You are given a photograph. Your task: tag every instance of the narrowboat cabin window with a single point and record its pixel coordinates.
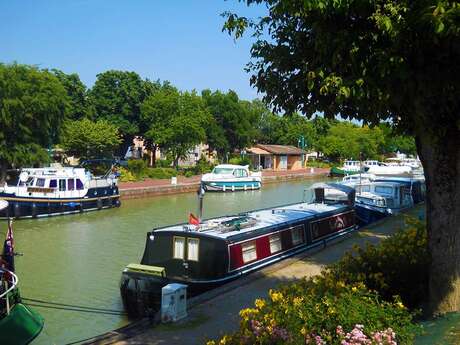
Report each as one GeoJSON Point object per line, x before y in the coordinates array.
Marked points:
{"type": "Point", "coordinates": [40, 182]}
{"type": "Point", "coordinates": [297, 235]}
{"type": "Point", "coordinates": [249, 251]}
{"type": "Point", "coordinates": [193, 245]}
{"type": "Point", "coordinates": [53, 183]}
{"type": "Point", "coordinates": [178, 247]}
{"type": "Point", "coordinates": [384, 190]}
{"type": "Point", "coordinates": [62, 185]}
{"type": "Point", "coordinates": [275, 243]}
{"type": "Point", "coordinates": [70, 184]}
{"type": "Point", "coordinates": [79, 184]}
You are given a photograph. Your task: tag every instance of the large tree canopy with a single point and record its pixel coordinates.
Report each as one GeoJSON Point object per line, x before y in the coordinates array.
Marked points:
{"type": "Point", "coordinates": [175, 121]}
{"type": "Point", "coordinates": [33, 106]}
{"type": "Point", "coordinates": [376, 60]}
{"type": "Point", "coordinates": [88, 140]}
{"type": "Point", "coordinates": [117, 97]}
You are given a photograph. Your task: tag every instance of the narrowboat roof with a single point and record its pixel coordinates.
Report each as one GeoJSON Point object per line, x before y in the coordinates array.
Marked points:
{"type": "Point", "coordinates": [225, 228]}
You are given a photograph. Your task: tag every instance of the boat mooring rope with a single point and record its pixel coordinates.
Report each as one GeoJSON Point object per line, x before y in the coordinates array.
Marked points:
{"type": "Point", "coordinates": [71, 307]}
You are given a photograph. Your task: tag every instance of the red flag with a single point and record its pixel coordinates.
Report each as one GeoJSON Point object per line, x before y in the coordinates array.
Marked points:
{"type": "Point", "coordinates": [193, 220]}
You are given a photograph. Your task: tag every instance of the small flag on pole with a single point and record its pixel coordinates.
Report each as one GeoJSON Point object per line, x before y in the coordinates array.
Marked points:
{"type": "Point", "coordinates": [8, 247]}
{"type": "Point", "coordinates": [193, 219]}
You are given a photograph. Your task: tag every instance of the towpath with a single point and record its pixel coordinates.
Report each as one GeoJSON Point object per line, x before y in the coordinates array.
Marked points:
{"type": "Point", "coordinates": [216, 312]}
{"type": "Point", "coordinates": [151, 187]}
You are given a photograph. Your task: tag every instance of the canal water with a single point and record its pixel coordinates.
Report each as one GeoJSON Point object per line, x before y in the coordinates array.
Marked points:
{"type": "Point", "coordinates": [78, 259]}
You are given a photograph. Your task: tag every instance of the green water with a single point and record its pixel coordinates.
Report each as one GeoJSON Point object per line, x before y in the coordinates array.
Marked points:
{"type": "Point", "coordinates": [78, 259]}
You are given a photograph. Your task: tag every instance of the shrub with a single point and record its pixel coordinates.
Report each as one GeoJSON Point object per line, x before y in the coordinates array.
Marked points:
{"type": "Point", "coordinates": [359, 295]}
{"type": "Point", "coordinates": [163, 163]}
{"type": "Point", "coordinates": [137, 167]}
{"type": "Point", "coordinates": [161, 173]}
{"type": "Point", "coordinates": [318, 311]}
{"type": "Point", "coordinates": [203, 166]}
{"type": "Point", "coordinates": [126, 175]}
{"type": "Point", "coordinates": [317, 164]}
{"type": "Point", "coordinates": [240, 160]}
{"type": "Point", "coordinates": [397, 266]}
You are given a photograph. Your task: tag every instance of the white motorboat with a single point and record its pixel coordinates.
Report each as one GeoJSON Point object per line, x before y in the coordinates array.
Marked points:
{"type": "Point", "coordinates": [230, 178]}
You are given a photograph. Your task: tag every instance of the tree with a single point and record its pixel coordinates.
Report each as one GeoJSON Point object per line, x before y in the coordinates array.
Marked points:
{"type": "Point", "coordinates": [377, 60]}
{"type": "Point", "coordinates": [33, 105]}
{"type": "Point", "coordinates": [88, 140]}
{"type": "Point", "coordinates": [117, 97]}
{"type": "Point", "coordinates": [176, 120]}
{"type": "Point", "coordinates": [79, 104]}
{"type": "Point", "coordinates": [235, 117]}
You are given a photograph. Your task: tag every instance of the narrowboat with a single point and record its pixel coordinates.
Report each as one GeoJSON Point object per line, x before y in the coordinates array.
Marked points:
{"type": "Point", "coordinates": [377, 200]}
{"type": "Point", "coordinates": [51, 191]}
{"type": "Point", "coordinates": [230, 178]}
{"type": "Point", "coordinates": [19, 324]}
{"type": "Point", "coordinates": [219, 250]}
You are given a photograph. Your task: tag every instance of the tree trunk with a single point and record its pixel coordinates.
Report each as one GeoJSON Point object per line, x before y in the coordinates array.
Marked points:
{"type": "Point", "coordinates": [154, 155]}
{"type": "Point", "coordinates": [441, 162]}
{"type": "Point", "coordinates": [3, 170]}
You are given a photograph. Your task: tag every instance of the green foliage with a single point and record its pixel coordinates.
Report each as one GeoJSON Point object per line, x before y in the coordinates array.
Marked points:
{"type": "Point", "coordinates": [161, 173]}
{"type": "Point", "coordinates": [126, 175]}
{"type": "Point", "coordinates": [233, 123]}
{"type": "Point", "coordinates": [362, 288]}
{"type": "Point", "coordinates": [33, 105]}
{"type": "Point", "coordinates": [138, 167]}
{"type": "Point", "coordinates": [164, 163]}
{"type": "Point", "coordinates": [79, 105]}
{"type": "Point", "coordinates": [176, 120]}
{"type": "Point", "coordinates": [239, 160]}
{"type": "Point", "coordinates": [397, 266]}
{"type": "Point", "coordinates": [87, 139]}
{"type": "Point", "coordinates": [202, 166]}
{"type": "Point", "coordinates": [117, 97]}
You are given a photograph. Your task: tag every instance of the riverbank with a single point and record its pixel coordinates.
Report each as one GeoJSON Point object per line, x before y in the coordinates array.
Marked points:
{"type": "Point", "coordinates": [216, 312]}
{"type": "Point", "coordinates": [154, 187]}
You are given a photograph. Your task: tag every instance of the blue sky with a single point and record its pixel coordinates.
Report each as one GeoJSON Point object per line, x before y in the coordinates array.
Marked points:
{"type": "Point", "coordinates": [176, 40]}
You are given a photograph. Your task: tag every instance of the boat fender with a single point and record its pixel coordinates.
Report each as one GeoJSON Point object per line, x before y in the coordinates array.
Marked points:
{"type": "Point", "coordinates": [17, 210]}
{"type": "Point", "coordinates": [223, 188]}
{"type": "Point", "coordinates": [99, 203]}
{"type": "Point", "coordinates": [233, 188]}
{"type": "Point", "coordinates": [34, 210]}
{"type": "Point", "coordinates": [81, 207]}
{"type": "Point", "coordinates": [117, 203]}
{"type": "Point", "coordinates": [245, 188]}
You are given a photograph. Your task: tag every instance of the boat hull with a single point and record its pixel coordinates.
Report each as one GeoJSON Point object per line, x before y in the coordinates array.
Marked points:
{"type": "Point", "coordinates": [34, 207]}
{"type": "Point", "coordinates": [366, 214]}
{"type": "Point", "coordinates": [231, 186]}
{"type": "Point", "coordinates": [21, 326]}
{"type": "Point", "coordinates": [337, 172]}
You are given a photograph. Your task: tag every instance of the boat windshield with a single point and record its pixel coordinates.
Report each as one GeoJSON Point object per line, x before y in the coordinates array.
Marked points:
{"type": "Point", "coordinates": [218, 170]}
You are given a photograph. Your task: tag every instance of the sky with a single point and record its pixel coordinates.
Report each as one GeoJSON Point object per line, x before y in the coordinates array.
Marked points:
{"type": "Point", "coordinates": [176, 40]}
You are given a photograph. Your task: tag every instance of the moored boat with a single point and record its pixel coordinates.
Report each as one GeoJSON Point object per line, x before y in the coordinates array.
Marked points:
{"type": "Point", "coordinates": [376, 200]}
{"type": "Point", "coordinates": [349, 168]}
{"type": "Point", "coordinates": [19, 324]}
{"type": "Point", "coordinates": [383, 169]}
{"type": "Point", "coordinates": [230, 177]}
{"type": "Point", "coordinates": [219, 250]}
{"type": "Point", "coordinates": [55, 191]}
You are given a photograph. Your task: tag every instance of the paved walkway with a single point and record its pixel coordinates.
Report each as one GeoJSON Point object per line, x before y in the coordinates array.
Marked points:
{"type": "Point", "coordinates": [217, 314]}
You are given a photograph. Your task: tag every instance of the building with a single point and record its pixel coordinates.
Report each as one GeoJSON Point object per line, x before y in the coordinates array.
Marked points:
{"type": "Point", "coordinates": [277, 157]}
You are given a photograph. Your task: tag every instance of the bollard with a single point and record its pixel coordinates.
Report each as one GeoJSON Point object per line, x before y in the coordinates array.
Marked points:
{"type": "Point", "coordinates": [174, 180]}
{"type": "Point", "coordinates": [312, 170]}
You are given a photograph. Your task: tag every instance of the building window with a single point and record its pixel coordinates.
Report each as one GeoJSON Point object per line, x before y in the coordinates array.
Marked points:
{"type": "Point", "coordinates": [40, 182]}
{"type": "Point", "coordinates": [178, 247]}
{"type": "Point", "coordinates": [193, 245]}
{"type": "Point", "coordinates": [53, 183]}
{"type": "Point", "coordinates": [62, 185]}
{"type": "Point", "coordinates": [249, 251]}
{"type": "Point", "coordinates": [275, 243]}
{"type": "Point", "coordinates": [79, 184]}
{"type": "Point", "coordinates": [297, 235]}
{"type": "Point", "coordinates": [70, 184]}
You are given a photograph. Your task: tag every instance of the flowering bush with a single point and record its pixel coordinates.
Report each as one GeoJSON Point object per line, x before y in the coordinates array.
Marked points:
{"type": "Point", "coordinates": [398, 265]}
{"type": "Point", "coordinates": [346, 296]}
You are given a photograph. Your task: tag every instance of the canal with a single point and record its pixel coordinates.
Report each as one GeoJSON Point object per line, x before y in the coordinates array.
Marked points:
{"type": "Point", "coordinates": [77, 259]}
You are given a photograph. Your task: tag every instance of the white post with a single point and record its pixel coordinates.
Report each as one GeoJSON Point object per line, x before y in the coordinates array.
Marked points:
{"type": "Point", "coordinates": [5, 284]}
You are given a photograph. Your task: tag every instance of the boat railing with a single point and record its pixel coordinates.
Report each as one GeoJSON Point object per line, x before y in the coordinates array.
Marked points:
{"type": "Point", "coordinates": [9, 282]}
